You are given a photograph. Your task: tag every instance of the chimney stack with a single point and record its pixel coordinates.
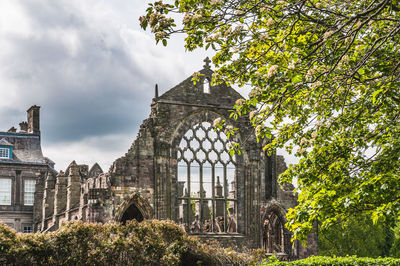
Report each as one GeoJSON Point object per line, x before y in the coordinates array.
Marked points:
{"type": "Point", "coordinates": [34, 119]}
{"type": "Point", "coordinates": [12, 130]}
{"type": "Point", "coordinates": [23, 126]}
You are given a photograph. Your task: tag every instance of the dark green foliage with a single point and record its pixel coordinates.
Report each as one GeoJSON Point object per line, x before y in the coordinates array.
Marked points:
{"type": "Point", "coordinates": [357, 236]}
{"type": "Point", "coordinates": [353, 260]}
{"type": "Point", "coordinates": [145, 243]}
{"type": "Point", "coordinates": [395, 249]}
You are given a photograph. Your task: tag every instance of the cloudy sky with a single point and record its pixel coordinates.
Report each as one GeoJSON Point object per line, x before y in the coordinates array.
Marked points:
{"type": "Point", "coordinates": [92, 70]}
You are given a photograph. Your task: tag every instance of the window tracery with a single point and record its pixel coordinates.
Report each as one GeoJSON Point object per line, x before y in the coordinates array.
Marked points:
{"type": "Point", "coordinates": [206, 182]}
{"type": "Point", "coordinates": [273, 233]}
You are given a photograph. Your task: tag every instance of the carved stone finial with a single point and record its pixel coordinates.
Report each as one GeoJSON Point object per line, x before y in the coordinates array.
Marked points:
{"type": "Point", "coordinates": [207, 61]}
{"type": "Point", "coordinates": [156, 91]}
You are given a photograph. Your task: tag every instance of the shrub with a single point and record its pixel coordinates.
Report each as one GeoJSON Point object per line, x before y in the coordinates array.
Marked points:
{"type": "Point", "coordinates": [8, 242]}
{"type": "Point", "coordinates": [146, 243]}
{"type": "Point", "coordinates": [349, 260]}
{"type": "Point", "coordinates": [150, 242]}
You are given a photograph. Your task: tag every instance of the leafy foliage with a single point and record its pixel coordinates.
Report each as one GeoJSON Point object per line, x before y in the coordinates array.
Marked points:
{"type": "Point", "coordinates": [395, 248]}
{"type": "Point", "coordinates": [146, 243]}
{"type": "Point", "coordinates": [357, 236]}
{"type": "Point", "coordinates": [353, 260]}
{"type": "Point", "coordinates": [326, 85]}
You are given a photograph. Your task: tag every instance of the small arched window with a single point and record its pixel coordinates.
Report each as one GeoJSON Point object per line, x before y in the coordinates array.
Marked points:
{"type": "Point", "coordinates": [206, 85]}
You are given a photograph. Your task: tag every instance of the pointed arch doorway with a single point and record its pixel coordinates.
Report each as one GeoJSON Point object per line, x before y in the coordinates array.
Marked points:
{"type": "Point", "coordinates": [273, 233]}
{"type": "Point", "coordinates": [132, 213]}
{"type": "Point", "coordinates": [134, 208]}
{"type": "Point", "coordinates": [275, 237]}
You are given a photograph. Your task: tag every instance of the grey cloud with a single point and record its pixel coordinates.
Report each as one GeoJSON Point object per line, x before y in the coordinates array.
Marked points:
{"type": "Point", "coordinates": [50, 14]}
{"type": "Point", "coordinates": [11, 117]}
{"type": "Point", "coordinates": [92, 75]}
{"type": "Point", "coordinates": [97, 90]}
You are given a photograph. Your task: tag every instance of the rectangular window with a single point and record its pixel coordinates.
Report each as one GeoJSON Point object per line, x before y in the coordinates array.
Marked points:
{"type": "Point", "coordinates": [27, 229]}
{"type": "Point", "coordinates": [4, 153]}
{"type": "Point", "coordinates": [5, 191]}
{"type": "Point", "coordinates": [29, 191]}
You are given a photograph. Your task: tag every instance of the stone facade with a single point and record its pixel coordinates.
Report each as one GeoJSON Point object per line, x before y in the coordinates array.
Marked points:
{"type": "Point", "coordinates": [22, 170]}
{"type": "Point", "coordinates": [179, 168]}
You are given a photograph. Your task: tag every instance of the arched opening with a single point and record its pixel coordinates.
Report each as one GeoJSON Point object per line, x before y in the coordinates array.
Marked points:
{"type": "Point", "coordinates": [206, 175]}
{"type": "Point", "coordinates": [132, 213]}
{"type": "Point", "coordinates": [206, 85]}
{"type": "Point", "coordinates": [273, 233]}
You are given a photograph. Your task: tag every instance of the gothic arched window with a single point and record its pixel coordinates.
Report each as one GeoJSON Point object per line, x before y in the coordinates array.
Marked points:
{"type": "Point", "coordinates": [206, 182]}
{"type": "Point", "coordinates": [273, 233]}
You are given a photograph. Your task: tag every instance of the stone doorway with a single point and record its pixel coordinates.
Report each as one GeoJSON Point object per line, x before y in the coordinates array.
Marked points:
{"type": "Point", "coordinates": [132, 213]}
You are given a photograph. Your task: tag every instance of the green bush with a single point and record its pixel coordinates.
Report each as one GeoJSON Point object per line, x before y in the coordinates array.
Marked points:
{"type": "Point", "coordinates": [348, 238]}
{"type": "Point", "coordinates": [336, 261]}
{"type": "Point", "coordinates": [146, 243]}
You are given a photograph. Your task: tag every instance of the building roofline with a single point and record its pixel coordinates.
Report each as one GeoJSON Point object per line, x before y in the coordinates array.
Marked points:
{"type": "Point", "coordinates": [22, 163]}
{"type": "Point", "coordinates": [19, 135]}
{"type": "Point", "coordinates": [4, 142]}
{"type": "Point", "coordinates": [29, 164]}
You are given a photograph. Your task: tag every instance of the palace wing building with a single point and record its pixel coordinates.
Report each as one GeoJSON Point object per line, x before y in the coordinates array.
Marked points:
{"type": "Point", "coordinates": [22, 169]}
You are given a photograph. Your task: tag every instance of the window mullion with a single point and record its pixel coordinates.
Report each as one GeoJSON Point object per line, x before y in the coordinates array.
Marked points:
{"type": "Point", "coordinates": [189, 202]}
{"type": "Point", "coordinates": [202, 214]}
{"type": "Point", "coordinates": [225, 200]}
{"type": "Point", "coordinates": [213, 197]}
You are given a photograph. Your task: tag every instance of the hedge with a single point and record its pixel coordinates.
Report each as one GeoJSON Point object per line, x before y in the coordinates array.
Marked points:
{"type": "Point", "coordinates": [335, 261]}
{"type": "Point", "coordinates": [150, 242]}
{"type": "Point", "coordinates": [146, 243]}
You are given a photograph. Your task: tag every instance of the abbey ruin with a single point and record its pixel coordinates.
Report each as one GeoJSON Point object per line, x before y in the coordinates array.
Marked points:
{"type": "Point", "coordinates": [179, 168]}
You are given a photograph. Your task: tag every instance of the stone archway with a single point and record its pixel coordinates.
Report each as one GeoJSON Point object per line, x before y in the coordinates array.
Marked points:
{"type": "Point", "coordinates": [132, 213]}
{"type": "Point", "coordinates": [273, 233]}
{"type": "Point", "coordinates": [135, 208]}
{"type": "Point", "coordinates": [206, 176]}
{"type": "Point", "coordinates": [275, 237]}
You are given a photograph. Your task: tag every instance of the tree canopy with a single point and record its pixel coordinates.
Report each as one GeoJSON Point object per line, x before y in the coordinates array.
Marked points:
{"type": "Point", "coordinates": [357, 236]}
{"type": "Point", "coordinates": [325, 78]}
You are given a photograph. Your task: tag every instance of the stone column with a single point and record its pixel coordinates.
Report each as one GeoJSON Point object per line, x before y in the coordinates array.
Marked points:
{"type": "Point", "coordinates": [73, 189]}
{"type": "Point", "coordinates": [48, 199]}
{"type": "Point", "coordinates": [38, 201]}
{"type": "Point", "coordinates": [219, 204]}
{"type": "Point", "coordinates": [60, 197]}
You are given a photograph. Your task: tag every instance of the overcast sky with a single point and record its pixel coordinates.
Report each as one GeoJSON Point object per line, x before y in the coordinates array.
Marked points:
{"type": "Point", "coordinates": [92, 70]}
